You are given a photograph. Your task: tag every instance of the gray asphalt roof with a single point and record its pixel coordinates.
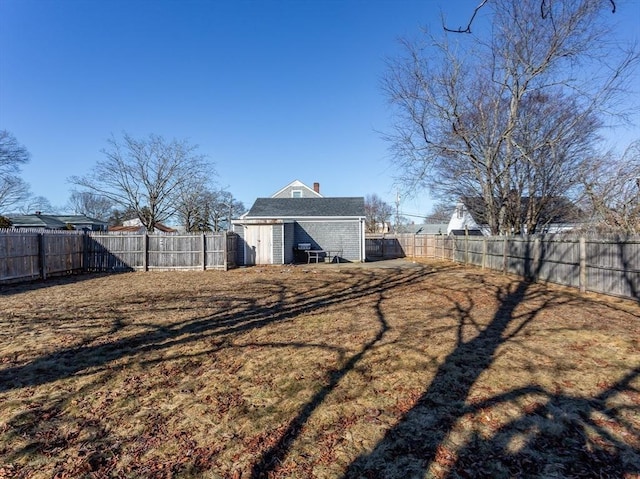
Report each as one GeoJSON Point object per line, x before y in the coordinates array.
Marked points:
{"type": "Point", "coordinates": [306, 207]}
{"type": "Point", "coordinates": [51, 221]}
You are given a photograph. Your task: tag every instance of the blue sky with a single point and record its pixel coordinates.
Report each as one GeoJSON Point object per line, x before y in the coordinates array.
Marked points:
{"type": "Point", "coordinates": [270, 90]}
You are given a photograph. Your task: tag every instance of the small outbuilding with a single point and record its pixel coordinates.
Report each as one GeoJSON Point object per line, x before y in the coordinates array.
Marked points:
{"type": "Point", "coordinates": [298, 224]}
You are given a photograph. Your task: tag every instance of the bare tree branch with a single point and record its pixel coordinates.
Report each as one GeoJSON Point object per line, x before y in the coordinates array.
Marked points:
{"type": "Point", "coordinates": [147, 175]}
{"type": "Point", "coordinates": [511, 119]}
{"type": "Point", "coordinates": [468, 29]}
{"type": "Point", "coordinates": [544, 13]}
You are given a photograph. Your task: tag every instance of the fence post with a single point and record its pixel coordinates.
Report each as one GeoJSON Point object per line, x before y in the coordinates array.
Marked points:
{"type": "Point", "coordinates": [466, 246]}
{"type": "Point", "coordinates": [484, 252]}
{"type": "Point", "coordinates": [583, 264]}
{"type": "Point", "coordinates": [225, 250]}
{"type": "Point", "coordinates": [504, 255]}
{"type": "Point", "coordinates": [145, 252]}
{"type": "Point", "coordinates": [454, 245]}
{"type": "Point", "coordinates": [203, 251]}
{"type": "Point", "coordinates": [42, 257]}
{"type": "Point", "coordinates": [85, 251]}
{"type": "Point", "coordinates": [536, 259]}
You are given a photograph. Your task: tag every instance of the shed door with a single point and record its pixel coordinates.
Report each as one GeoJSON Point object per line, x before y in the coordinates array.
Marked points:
{"type": "Point", "coordinates": [258, 244]}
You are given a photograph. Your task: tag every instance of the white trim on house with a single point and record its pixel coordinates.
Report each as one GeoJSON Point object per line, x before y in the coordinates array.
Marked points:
{"type": "Point", "coordinates": [298, 185]}
{"type": "Point", "coordinates": [461, 219]}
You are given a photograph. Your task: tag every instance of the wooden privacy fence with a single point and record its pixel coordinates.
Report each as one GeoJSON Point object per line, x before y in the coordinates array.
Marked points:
{"type": "Point", "coordinates": [38, 254]}
{"type": "Point", "coordinates": [601, 265]}
{"type": "Point", "coordinates": [26, 255]}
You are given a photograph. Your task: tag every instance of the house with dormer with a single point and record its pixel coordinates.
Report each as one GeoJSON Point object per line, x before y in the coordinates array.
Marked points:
{"type": "Point", "coordinates": [297, 219]}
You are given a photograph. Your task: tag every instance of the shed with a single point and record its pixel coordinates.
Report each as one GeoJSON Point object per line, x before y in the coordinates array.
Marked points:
{"type": "Point", "coordinates": [273, 229]}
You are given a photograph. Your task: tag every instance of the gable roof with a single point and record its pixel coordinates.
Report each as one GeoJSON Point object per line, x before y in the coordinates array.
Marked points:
{"type": "Point", "coordinates": [307, 207]}
{"type": "Point", "coordinates": [296, 185]}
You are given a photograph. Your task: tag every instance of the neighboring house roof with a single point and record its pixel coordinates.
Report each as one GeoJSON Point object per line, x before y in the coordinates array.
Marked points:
{"type": "Point", "coordinates": [36, 221]}
{"type": "Point", "coordinates": [557, 209]}
{"type": "Point", "coordinates": [471, 215]}
{"type": "Point", "coordinates": [56, 221]}
{"type": "Point", "coordinates": [307, 207]}
{"type": "Point", "coordinates": [299, 190]}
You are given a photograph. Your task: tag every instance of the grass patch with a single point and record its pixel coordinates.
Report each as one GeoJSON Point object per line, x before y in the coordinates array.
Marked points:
{"type": "Point", "coordinates": [427, 371]}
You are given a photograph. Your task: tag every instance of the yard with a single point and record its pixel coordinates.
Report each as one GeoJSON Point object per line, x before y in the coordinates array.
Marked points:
{"type": "Point", "coordinates": [430, 370]}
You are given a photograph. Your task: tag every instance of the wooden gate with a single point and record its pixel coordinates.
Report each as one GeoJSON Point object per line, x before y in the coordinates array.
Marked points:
{"type": "Point", "coordinates": [258, 244]}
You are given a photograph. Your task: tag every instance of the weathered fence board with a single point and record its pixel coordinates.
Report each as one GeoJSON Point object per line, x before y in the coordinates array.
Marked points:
{"type": "Point", "coordinates": [26, 255]}
{"type": "Point", "coordinates": [381, 246]}
{"type": "Point", "coordinates": [602, 265]}
{"type": "Point", "coordinates": [115, 252]}
{"type": "Point", "coordinates": [19, 256]}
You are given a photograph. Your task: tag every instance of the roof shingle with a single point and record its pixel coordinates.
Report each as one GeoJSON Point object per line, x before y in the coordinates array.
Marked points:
{"type": "Point", "coordinates": [307, 207]}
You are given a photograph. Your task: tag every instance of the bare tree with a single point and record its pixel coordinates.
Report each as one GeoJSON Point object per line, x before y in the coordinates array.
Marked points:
{"type": "Point", "coordinates": [613, 194]}
{"type": "Point", "coordinates": [508, 118]}
{"type": "Point", "coordinates": [544, 13]}
{"type": "Point", "coordinates": [222, 206]}
{"type": "Point", "coordinates": [440, 213]}
{"type": "Point", "coordinates": [90, 204]}
{"type": "Point", "coordinates": [208, 210]}
{"type": "Point", "coordinates": [14, 191]}
{"type": "Point", "coordinates": [146, 175]}
{"type": "Point", "coordinates": [377, 214]}
{"type": "Point", "coordinates": [12, 153]}
{"type": "Point", "coordinates": [38, 204]}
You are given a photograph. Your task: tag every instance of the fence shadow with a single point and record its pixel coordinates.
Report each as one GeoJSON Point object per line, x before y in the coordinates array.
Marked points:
{"type": "Point", "coordinates": [419, 439]}
{"type": "Point", "coordinates": [23, 286]}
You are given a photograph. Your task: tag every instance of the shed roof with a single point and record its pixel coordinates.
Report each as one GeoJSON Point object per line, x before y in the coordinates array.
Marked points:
{"type": "Point", "coordinates": [307, 207]}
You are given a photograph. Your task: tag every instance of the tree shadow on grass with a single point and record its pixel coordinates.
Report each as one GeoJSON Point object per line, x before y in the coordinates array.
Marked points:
{"type": "Point", "coordinates": [409, 448]}
{"type": "Point", "coordinates": [52, 427]}
{"type": "Point", "coordinates": [558, 436]}
{"type": "Point", "coordinates": [249, 314]}
{"type": "Point", "coordinates": [272, 458]}
{"type": "Point", "coordinates": [561, 436]}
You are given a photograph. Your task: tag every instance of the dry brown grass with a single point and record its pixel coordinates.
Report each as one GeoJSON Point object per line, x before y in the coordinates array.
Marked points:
{"type": "Point", "coordinates": [427, 371]}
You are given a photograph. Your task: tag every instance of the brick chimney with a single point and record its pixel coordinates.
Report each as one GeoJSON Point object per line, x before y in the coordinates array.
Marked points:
{"type": "Point", "coordinates": [316, 187]}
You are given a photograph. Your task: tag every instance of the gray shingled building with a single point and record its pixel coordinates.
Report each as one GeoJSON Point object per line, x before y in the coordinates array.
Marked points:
{"type": "Point", "coordinates": [283, 230]}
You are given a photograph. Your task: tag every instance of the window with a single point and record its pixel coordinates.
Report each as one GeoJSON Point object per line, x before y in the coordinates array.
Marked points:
{"type": "Point", "coordinates": [296, 193]}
